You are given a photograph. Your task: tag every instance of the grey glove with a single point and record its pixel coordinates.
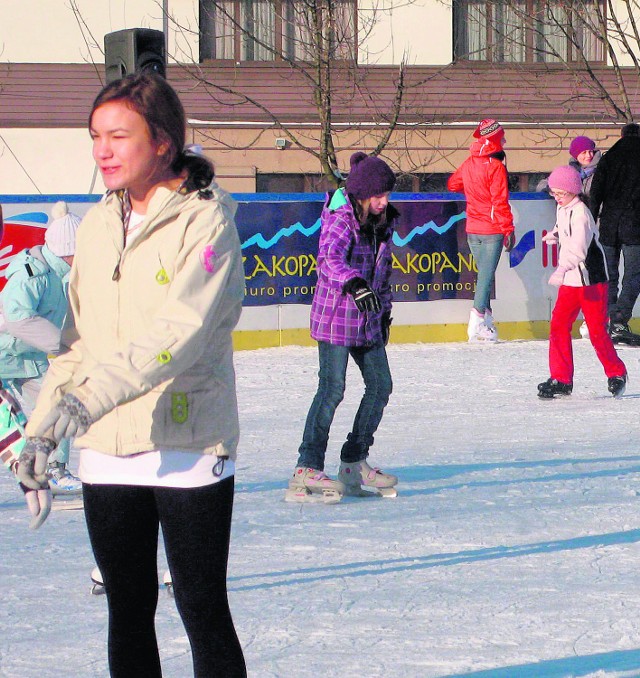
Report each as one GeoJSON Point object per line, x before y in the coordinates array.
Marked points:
{"type": "Point", "coordinates": [32, 474]}
{"type": "Point", "coordinates": [68, 419]}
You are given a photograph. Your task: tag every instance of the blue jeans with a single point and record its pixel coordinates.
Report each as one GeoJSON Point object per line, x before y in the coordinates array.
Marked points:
{"type": "Point", "coordinates": [373, 364]}
{"type": "Point", "coordinates": [621, 305]}
{"type": "Point", "coordinates": [486, 250]}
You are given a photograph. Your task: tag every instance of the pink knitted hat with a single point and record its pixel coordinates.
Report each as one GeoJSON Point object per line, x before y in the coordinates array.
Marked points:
{"type": "Point", "coordinates": [567, 179]}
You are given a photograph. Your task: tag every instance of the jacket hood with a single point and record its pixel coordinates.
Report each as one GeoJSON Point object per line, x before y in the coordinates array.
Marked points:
{"type": "Point", "coordinates": [338, 201]}
{"type": "Point", "coordinates": [32, 257]}
{"type": "Point", "coordinates": [586, 169]}
{"type": "Point", "coordinates": [485, 147]}
{"type": "Point", "coordinates": [170, 203]}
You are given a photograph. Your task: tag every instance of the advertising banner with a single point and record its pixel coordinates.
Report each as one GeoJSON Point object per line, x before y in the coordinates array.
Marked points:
{"type": "Point", "coordinates": [431, 258]}
{"type": "Point", "coordinates": [279, 237]}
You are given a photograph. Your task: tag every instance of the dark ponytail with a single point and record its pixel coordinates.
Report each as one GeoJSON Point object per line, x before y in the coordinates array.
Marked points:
{"type": "Point", "coordinates": [200, 172]}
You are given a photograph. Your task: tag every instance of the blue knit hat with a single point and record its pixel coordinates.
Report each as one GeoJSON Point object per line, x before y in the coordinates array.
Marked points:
{"type": "Point", "coordinates": [369, 176]}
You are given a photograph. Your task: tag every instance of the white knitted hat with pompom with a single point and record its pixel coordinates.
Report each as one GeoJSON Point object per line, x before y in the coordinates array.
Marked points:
{"type": "Point", "coordinates": [60, 236]}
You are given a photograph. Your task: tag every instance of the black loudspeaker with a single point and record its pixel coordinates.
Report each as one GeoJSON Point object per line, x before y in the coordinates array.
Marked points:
{"type": "Point", "coordinates": [132, 50]}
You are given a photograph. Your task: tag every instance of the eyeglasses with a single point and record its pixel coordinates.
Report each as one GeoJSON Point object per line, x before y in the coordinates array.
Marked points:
{"type": "Point", "coordinates": [559, 194]}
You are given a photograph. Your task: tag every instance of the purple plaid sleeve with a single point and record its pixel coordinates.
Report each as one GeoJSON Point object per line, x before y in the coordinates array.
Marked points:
{"type": "Point", "coordinates": [343, 255]}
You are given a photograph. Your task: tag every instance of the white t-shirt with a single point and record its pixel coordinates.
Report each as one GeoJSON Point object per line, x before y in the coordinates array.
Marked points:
{"type": "Point", "coordinates": [135, 219]}
{"type": "Point", "coordinates": [157, 468]}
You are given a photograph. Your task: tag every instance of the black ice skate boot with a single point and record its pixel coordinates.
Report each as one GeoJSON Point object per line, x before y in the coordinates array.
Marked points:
{"type": "Point", "coordinates": [621, 334]}
{"type": "Point", "coordinates": [553, 387]}
{"type": "Point", "coordinates": [617, 385]}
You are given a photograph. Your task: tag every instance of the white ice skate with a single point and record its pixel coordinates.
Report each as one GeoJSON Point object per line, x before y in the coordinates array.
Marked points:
{"type": "Point", "coordinates": [61, 481]}
{"type": "Point", "coordinates": [97, 587]}
{"type": "Point", "coordinates": [363, 481]}
{"type": "Point", "coordinates": [310, 485]}
{"type": "Point", "coordinates": [167, 580]}
{"type": "Point", "coordinates": [478, 330]}
{"type": "Point", "coordinates": [490, 323]}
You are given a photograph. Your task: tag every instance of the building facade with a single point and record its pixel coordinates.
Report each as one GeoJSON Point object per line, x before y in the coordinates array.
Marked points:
{"type": "Point", "coordinates": [268, 92]}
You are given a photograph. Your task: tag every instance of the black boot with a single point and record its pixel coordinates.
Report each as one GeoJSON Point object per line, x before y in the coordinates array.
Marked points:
{"type": "Point", "coordinates": [617, 385]}
{"type": "Point", "coordinates": [621, 334]}
{"type": "Point", "coordinates": [553, 387]}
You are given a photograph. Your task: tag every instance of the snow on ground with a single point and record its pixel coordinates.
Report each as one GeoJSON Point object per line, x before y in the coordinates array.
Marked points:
{"type": "Point", "coordinates": [512, 550]}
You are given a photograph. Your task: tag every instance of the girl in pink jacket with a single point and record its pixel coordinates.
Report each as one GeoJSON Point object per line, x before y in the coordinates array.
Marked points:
{"type": "Point", "coordinates": [582, 279]}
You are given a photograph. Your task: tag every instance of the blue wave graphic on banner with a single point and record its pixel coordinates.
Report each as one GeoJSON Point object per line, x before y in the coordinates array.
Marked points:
{"type": "Point", "coordinates": [259, 240]}
{"type": "Point", "coordinates": [265, 244]}
{"type": "Point", "coordinates": [526, 244]}
{"type": "Point", "coordinates": [33, 217]}
{"type": "Point", "coordinates": [429, 226]}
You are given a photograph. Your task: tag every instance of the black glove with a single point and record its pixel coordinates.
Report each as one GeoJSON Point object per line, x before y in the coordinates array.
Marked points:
{"type": "Point", "coordinates": [509, 241]}
{"type": "Point", "coordinates": [386, 326]}
{"type": "Point", "coordinates": [363, 296]}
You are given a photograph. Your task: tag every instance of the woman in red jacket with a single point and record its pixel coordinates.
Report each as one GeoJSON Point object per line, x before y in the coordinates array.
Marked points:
{"type": "Point", "coordinates": [482, 178]}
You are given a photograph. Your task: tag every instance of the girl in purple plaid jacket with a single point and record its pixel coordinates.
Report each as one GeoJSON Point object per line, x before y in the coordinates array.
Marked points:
{"type": "Point", "coordinates": [350, 316]}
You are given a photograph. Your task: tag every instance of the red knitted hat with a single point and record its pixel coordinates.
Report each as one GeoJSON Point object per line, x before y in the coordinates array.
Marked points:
{"type": "Point", "coordinates": [488, 128]}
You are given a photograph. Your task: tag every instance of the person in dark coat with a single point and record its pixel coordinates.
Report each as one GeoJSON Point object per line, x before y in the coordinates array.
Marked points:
{"type": "Point", "coordinates": [615, 201]}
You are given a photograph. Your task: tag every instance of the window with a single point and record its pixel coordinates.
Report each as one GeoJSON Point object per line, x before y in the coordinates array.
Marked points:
{"type": "Point", "coordinates": [268, 30]}
{"type": "Point", "coordinates": [518, 31]}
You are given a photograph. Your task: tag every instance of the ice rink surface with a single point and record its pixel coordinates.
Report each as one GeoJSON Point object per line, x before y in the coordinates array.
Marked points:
{"type": "Point", "coordinates": [512, 550]}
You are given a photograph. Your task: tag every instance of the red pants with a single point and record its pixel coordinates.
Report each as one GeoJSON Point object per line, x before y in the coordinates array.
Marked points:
{"type": "Point", "coordinates": [592, 300]}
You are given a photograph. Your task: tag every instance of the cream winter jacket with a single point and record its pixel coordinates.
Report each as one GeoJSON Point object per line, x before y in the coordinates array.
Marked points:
{"type": "Point", "coordinates": [580, 252]}
{"type": "Point", "coordinates": [147, 347]}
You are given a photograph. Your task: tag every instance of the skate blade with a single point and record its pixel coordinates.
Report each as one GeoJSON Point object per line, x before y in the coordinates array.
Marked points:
{"type": "Point", "coordinates": [388, 492]}
{"type": "Point", "coordinates": [67, 504]}
{"type": "Point", "coordinates": [97, 589]}
{"type": "Point", "coordinates": [304, 496]}
{"type": "Point", "coordinates": [97, 585]}
{"type": "Point", "coordinates": [57, 492]}
{"type": "Point", "coordinates": [627, 342]}
{"type": "Point", "coordinates": [358, 491]}
{"type": "Point", "coordinates": [483, 340]}
{"type": "Point", "coordinates": [167, 582]}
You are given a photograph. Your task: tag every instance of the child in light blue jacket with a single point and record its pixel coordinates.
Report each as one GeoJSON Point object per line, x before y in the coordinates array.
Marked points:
{"type": "Point", "coordinates": [33, 305]}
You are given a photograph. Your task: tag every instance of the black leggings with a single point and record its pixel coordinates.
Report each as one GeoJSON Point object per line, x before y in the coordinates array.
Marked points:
{"type": "Point", "coordinates": [123, 528]}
